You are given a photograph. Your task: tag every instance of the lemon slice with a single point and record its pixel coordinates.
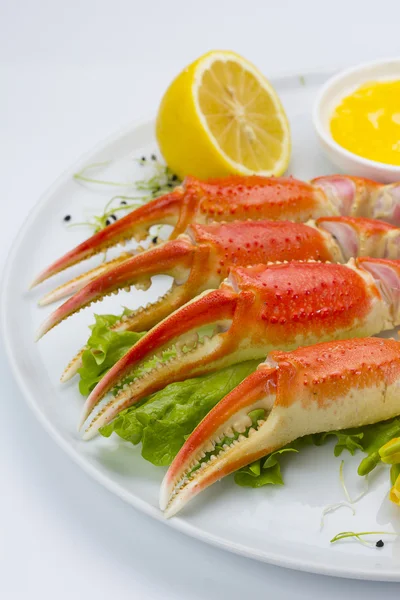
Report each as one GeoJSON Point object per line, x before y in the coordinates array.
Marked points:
{"type": "Point", "coordinates": [221, 116]}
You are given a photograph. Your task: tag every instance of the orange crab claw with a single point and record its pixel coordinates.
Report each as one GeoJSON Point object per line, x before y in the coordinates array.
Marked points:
{"type": "Point", "coordinates": [329, 386]}
{"type": "Point", "coordinates": [79, 282]}
{"type": "Point", "coordinates": [163, 210]}
{"type": "Point", "coordinates": [257, 309]}
{"type": "Point", "coordinates": [226, 425]}
{"type": "Point", "coordinates": [214, 308]}
{"type": "Point", "coordinates": [173, 258]}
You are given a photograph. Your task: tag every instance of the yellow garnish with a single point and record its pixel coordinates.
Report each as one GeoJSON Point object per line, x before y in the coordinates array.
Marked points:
{"type": "Point", "coordinates": [390, 452]}
{"type": "Point", "coordinates": [395, 492]}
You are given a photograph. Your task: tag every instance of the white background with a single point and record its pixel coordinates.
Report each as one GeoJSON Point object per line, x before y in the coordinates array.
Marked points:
{"type": "Point", "coordinates": [71, 73]}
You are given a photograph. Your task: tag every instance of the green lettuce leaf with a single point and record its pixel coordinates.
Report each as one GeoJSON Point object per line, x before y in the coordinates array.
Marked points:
{"type": "Point", "coordinates": [103, 349]}
{"type": "Point", "coordinates": [163, 421]}
{"type": "Point", "coordinates": [368, 439]}
{"type": "Point", "coordinates": [263, 471]}
{"type": "Point", "coordinates": [267, 470]}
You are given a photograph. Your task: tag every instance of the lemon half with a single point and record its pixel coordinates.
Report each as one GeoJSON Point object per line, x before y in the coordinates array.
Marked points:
{"type": "Point", "coordinates": [221, 116]}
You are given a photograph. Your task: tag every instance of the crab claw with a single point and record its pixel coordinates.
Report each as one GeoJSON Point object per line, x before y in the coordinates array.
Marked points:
{"type": "Point", "coordinates": [173, 258]}
{"type": "Point", "coordinates": [230, 425]}
{"type": "Point", "coordinates": [163, 210]}
{"type": "Point", "coordinates": [329, 386]}
{"type": "Point", "coordinates": [76, 284]}
{"type": "Point", "coordinates": [357, 236]}
{"type": "Point", "coordinates": [214, 309]}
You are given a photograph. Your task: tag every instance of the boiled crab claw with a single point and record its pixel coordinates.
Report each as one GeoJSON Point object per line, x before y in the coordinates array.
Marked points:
{"type": "Point", "coordinates": [240, 198]}
{"type": "Point", "coordinates": [175, 258]}
{"type": "Point", "coordinates": [200, 260]}
{"type": "Point", "coordinates": [257, 309]}
{"type": "Point", "coordinates": [329, 386]}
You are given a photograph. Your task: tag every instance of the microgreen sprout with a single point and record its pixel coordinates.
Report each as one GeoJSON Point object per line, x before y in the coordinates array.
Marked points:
{"type": "Point", "coordinates": [359, 536]}
{"type": "Point", "coordinates": [346, 492]}
{"type": "Point", "coordinates": [81, 176]}
{"type": "Point", "coordinates": [332, 507]}
{"type": "Point", "coordinates": [350, 502]}
{"type": "Point", "coordinates": [162, 181]}
{"type": "Point", "coordinates": [99, 222]}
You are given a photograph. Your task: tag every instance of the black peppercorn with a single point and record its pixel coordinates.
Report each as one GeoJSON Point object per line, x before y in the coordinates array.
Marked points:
{"type": "Point", "coordinates": [67, 218]}
{"type": "Point", "coordinates": [380, 544]}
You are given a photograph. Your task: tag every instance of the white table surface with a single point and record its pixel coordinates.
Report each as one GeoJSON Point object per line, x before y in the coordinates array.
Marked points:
{"type": "Point", "coordinates": [70, 74]}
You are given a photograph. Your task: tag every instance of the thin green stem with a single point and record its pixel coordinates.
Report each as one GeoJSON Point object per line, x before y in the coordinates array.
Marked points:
{"type": "Point", "coordinates": [331, 508]}
{"type": "Point", "coordinates": [341, 477]}
{"type": "Point", "coordinates": [346, 492]}
{"type": "Point", "coordinates": [352, 534]}
{"type": "Point", "coordinates": [163, 181]}
{"type": "Point", "coordinates": [80, 176]}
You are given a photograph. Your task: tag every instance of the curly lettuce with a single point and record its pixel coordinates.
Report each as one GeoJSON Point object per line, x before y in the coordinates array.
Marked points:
{"type": "Point", "coordinates": [103, 349]}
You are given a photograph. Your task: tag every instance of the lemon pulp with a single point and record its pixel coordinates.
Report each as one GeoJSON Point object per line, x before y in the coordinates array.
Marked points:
{"type": "Point", "coordinates": [367, 122]}
{"type": "Point", "coordinates": [221, 116]}
{"type": "Point", "coordinates": [241, 115]}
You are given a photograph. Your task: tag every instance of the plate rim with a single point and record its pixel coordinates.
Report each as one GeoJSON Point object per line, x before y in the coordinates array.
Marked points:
{"type": "Point", "coordinates": [177, 523]}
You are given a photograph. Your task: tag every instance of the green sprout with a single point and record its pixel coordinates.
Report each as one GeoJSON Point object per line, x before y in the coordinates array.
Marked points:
{"type": "Point", "coordinates": [81, 175]}
{"type": "Point", "coordinates": [99, 222]}
{"type": "Point", "coordinates": [358, 536]}
{"type": "Point", "coordinates": [162, 181]}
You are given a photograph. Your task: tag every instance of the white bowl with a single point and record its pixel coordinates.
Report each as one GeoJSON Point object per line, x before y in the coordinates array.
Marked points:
{"type": "Point", "coordinates": [329, 97]}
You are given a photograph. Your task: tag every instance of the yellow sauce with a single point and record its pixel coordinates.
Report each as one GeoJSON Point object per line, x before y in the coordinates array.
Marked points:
{"type": "Point", "coordinates": [367, 122]}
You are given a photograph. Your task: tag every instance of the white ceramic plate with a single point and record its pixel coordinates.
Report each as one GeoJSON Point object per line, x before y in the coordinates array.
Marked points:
{"type": "Point", "coordinates": [280, 525]}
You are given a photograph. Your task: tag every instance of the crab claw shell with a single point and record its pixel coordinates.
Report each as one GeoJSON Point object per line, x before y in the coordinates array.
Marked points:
{"type": "Point", "coordinates": [163, 210]}
{"type": "Point", "coordinates": [172, 258]}
{"type": "Point", "coordinates": [357, 236]}
{"type": "Point", "coordinates": [387, 276]}
{"type": "Point", "coordinates": [350, 195]}
{"type": "Point", "coordinates": [359, 197]}
{"type": "Point", "coordinates": [210, 308]}
{"type": "Point", "coordinates": [223, 423]}
{"type": "Point", "coordinates": [76, 284]}
{"type": "Point", "coordinates": [332, 385]}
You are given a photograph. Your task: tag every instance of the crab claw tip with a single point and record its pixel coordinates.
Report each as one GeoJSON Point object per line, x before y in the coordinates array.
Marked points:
{"type": "Point", "coordinates": [90, 432]}
{"type": "Point", "coordinates": [200, 462]}
{"type": "Point", "coordinates": [41, 331]}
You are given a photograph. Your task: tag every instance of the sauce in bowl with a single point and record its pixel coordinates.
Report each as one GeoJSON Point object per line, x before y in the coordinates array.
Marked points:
{"type": "Point", "coordinates": [367, 122]}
